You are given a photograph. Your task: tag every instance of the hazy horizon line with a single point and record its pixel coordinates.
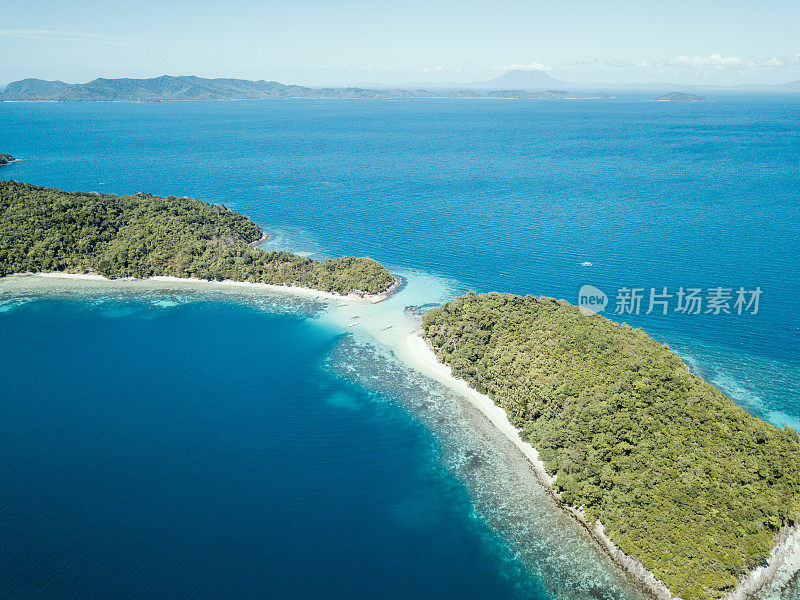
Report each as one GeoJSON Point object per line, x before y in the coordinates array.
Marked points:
{"type": "Point", "coordinates": [619, 85]}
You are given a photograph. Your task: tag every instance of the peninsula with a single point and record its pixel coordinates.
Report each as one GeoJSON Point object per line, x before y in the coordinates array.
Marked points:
{"type": "Point", "coordinates": [50, 230]}
{"type": "Point", "coordinates": [168, 88]}
{"type": "Point", "coordinates": [647, 454]}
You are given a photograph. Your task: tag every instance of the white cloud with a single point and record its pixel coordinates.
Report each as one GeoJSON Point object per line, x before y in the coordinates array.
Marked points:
{"type": "Point", "coordinates": [714, 61]}
{"type": "Point", "coordinates": [720, 62]}
{"type": "Point", "coordinates": [533, 66]}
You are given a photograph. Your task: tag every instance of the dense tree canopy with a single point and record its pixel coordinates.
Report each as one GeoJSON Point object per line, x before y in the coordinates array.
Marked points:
{"type": "Point", "coordinates": [139, 236]}
{"type": "Point", "coordinates": [681, 477]}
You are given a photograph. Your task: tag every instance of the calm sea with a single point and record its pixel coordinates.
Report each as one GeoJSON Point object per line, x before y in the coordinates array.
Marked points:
{"type": "Point", "coordinates": [180, 445]}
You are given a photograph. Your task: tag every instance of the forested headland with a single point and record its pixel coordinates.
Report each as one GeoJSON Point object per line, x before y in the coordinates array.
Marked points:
{"type": "Point", "coordinates": [168, 88]}
{"type": "Point", "coordinates": [682, 478]}
{"type": "Point", "coordinates": [45, 229]}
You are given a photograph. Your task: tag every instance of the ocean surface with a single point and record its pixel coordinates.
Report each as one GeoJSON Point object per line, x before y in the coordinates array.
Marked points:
{"type": "Point", "coordinates": [179, 443]}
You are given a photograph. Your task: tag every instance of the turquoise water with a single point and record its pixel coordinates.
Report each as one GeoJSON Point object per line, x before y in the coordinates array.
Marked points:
{"type": "Point", "coordinates": [193, 446]}
{"type": "Point", "coordinates": [201, 451]}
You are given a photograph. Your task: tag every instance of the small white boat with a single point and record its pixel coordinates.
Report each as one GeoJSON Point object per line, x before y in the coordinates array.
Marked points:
{"type": "Point", "coordinates": [352, 324]}
{"type": "Point", "coordinates": [387, 327]}
{"type": "Point", "coordinates": [586, 264]}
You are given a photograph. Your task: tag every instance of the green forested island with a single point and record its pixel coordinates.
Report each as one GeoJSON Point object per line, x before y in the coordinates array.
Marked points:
{"type": "Point", "coordinates": [44, 229]}
{"type": "Point", "coordinates": [680, 97]}
{"type": "Point", "coordinates": [189, 87]}
{"type": "Point", "coordinates": [683, 479]}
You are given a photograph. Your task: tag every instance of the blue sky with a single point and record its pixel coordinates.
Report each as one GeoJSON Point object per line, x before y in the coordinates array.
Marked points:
{"type": "Point", "coordinates": [358, 41]}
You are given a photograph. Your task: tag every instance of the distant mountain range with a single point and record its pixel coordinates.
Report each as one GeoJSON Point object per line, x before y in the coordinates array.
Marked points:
{"type": "Point", "coordinates": [793, 86]}
{"type": "Point", "coordinates": [510, 80]}
{"type": "Point", "coordinates": [526, 80]}
{"type": "Point", "coordinates": [167, 88]}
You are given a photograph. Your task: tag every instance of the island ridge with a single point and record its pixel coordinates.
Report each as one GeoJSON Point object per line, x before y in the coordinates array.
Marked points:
{"type": "Point", "coordinates": [683, 480]}
{"type": "Point", "coordinates": [46, 230]}
{"type": "Point", "coordinates": [188, 87]}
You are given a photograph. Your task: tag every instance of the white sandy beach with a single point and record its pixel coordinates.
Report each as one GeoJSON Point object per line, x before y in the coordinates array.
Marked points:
{"type": "Point", "coordinates": [422, 358]}
{"type": "Point", "coordinates": [226, 284]}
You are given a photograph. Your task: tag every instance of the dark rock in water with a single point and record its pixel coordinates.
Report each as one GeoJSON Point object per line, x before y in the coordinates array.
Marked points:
{"type": "Point", "coordinates": [415, 311]}
{"type": "Point", "coordinates": [419, 311]}
{"type": "Point", "coordinates": [474, 460]}
{"type": "Point", "coordinates": [599, 593]}
{"type": "Point", "coordinates": [6, 159]}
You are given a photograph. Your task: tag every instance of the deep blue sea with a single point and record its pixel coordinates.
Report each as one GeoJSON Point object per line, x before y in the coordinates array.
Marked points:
{"type": "Point", "coordinates": [167, 443]}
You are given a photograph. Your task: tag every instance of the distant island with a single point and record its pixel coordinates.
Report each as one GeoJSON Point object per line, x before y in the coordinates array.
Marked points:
{"type": "Point", "coordinates": [47, 230]}
{"type": "Point", "coordinates": [6, 159]}
{"type": "Point", "coordinates": [680, 97]}
{"type": "Point", "coordinates": [168, 88]}
{"type": "Point", "coordinates": [647, 454]}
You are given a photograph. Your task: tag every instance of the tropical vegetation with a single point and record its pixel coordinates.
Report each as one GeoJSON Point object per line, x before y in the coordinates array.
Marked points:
{"type": "Point", "coordinates": [142, 235]}
{"type": "Point", "coordinates": [681, 478]}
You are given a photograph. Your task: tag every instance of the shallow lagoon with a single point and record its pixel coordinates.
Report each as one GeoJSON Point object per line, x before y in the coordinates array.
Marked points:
{"type": "Point", "coordinates": [177, 441]}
